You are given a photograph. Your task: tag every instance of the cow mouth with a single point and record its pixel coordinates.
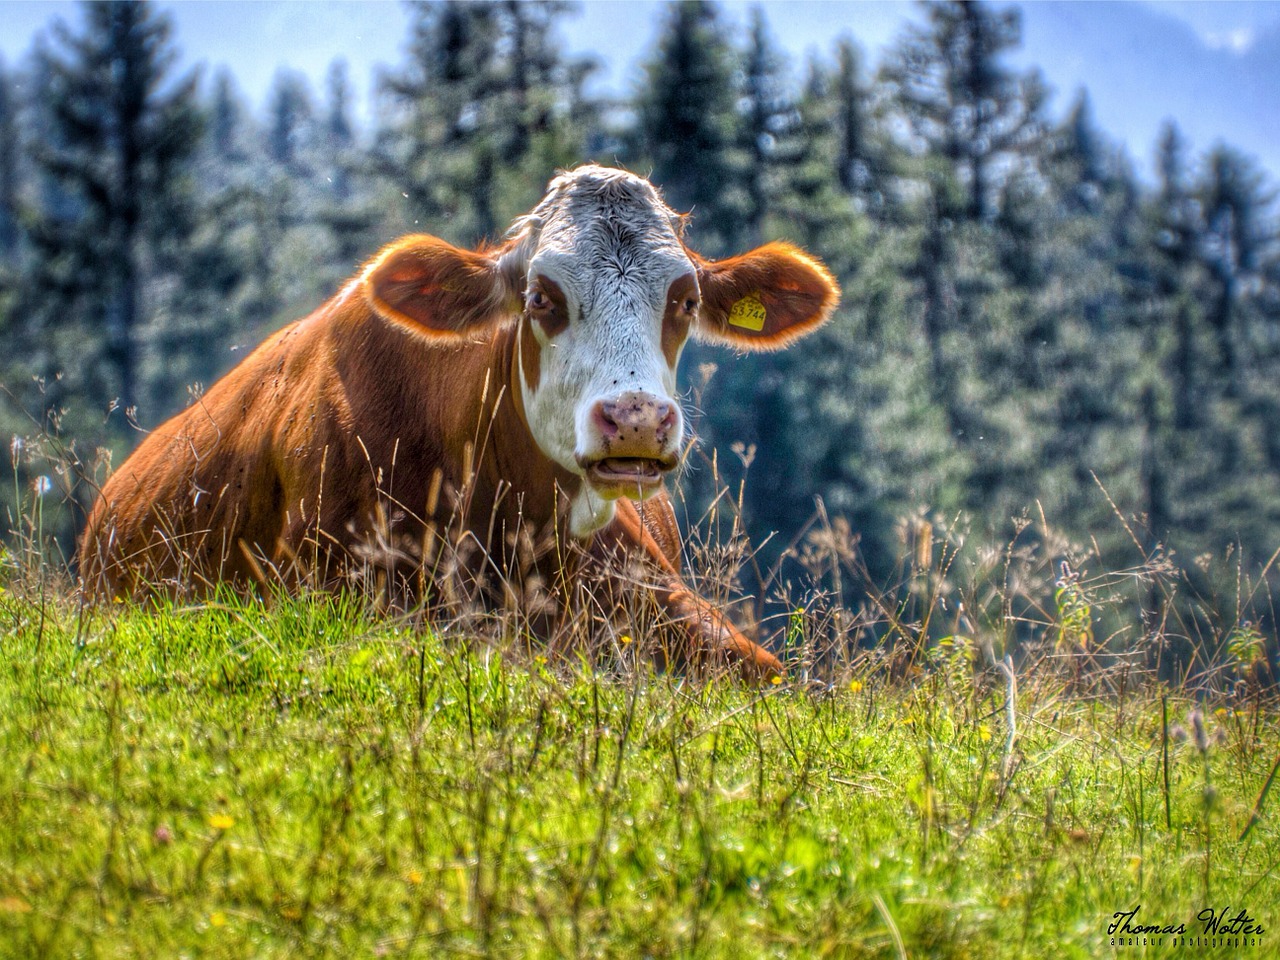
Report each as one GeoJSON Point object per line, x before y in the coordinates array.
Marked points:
{"type": "Point", "coordinates": [626, 472]}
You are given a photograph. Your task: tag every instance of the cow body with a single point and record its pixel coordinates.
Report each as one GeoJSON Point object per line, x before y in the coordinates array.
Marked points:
{"type": "Point", "coordinates": [522, 394]}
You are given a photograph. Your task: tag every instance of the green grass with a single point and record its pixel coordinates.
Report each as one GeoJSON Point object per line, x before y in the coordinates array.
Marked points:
{"type": "Point", "coordinates": [314, 781]}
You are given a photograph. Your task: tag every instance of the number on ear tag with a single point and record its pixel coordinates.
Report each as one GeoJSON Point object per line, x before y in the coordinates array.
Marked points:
{"type": "Point", "coordinates": [748, 313]}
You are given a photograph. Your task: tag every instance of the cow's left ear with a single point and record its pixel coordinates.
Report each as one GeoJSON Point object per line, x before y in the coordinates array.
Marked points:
{"type": "Point", "coordinates": [438, 289]}
{"type": "Point", "coordinates": [764, 299]}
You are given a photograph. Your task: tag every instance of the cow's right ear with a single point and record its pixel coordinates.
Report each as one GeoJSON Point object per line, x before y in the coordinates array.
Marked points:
{"type": "Point", "coordinates": [438, 289]}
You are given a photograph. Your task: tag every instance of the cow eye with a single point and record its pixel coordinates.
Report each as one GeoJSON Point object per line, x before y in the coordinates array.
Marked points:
{"type": "Point", "coordinates": [690, 305]}
{"type": "Point", "coordinates": [539, 302]}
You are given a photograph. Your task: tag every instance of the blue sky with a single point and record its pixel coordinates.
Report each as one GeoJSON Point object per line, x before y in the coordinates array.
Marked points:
{"type": "Point", "coordinates": [1213, 66]}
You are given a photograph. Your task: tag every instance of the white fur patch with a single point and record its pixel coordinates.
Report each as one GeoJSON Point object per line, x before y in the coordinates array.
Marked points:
{"type": "Point", "coordinates": [588, 513]}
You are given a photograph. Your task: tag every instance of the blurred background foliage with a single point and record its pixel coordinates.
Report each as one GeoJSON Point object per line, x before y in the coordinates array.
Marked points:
{"type": "Point", "coordinates": [1028, 328]}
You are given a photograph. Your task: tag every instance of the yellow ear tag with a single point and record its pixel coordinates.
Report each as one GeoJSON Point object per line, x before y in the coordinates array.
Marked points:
{"type": "Point", "coordinates": [748, 313]}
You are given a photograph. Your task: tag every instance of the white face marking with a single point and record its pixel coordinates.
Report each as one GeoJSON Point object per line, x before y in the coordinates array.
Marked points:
{"type": "Point", "coordinates": [609, 243]}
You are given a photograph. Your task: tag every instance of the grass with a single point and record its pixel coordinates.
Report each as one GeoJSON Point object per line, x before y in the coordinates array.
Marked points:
{"type": "Point", "coordinates": [311, 780]}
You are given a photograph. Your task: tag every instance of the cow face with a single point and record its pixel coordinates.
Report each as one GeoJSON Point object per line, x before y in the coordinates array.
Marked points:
{"type": "Point", "coordinates": [607, 294]}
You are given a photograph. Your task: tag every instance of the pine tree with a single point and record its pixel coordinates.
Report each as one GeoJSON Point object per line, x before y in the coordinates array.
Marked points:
{"type": "Point", "coordinates": [348, 207]}
{"type": "Point", "coordinates": [852, 168]}
{"type": "Point", "coordinates": [962, 103]}
{"type": "Point", "coordinates": [1234, 201]}
{"type": "Point", "coordinates": [305, 234]}
{"type": "Point", "coordinates": [291, 113]}
{"type": "Point", "coordinates": [767, 116]}
{"type": "Point", "coordinates": [484, 108]}
{"type": "Point", "coordinates": [1176, 228]}
{"type": "Point", "coordinates": [1077, 159]}
{"type": "Point", "coordinates": [686, 122]}
{"type": "Point", "coordinates": [226, 119]}
{"type": "Point", "coordinates": [974, 130]}
{"type": "Point", "coordinates": [1240, 237]}
{"type": "Point", "coordinates": [798, 424]}
{"type": "Point", "coordinates": [1067, 246]}
{"type": "Point", "coordinates": [531, 73]}
{"type": "Point", "coordinates": [229, 249]}
{"type": "Point", "coordinates": [339, 138]}
{"type": "Point", "coordinates": [10, 255]}
{"type": "Point", "coordinates": [866, 162]}
{"type": "Point", "coordinates": [543, 117]}
{"type": "Point", "coordinates": [434, 105]}
{"type": "Point", "coordinates": [9, 141]}
{"type": "Point", "coordinates": [833, 127]}
{"type": "Point", "coordinates": [123, 130]}
{"type": "Point", "coordinates": [1160, 305]}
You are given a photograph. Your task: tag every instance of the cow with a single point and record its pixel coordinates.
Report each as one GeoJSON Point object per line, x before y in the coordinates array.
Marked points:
{"type": "Point", "coordinates": [520, 390]}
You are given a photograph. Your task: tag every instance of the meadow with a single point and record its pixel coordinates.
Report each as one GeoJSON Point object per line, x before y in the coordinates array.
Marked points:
{"type": "Point", "coordinates": [311, 778]}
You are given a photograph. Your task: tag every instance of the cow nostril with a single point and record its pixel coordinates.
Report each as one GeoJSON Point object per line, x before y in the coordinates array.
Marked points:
{"type": "Point", "coordinates": [604, 413]}
{"type": "Point", "coordinates": [666, 420]}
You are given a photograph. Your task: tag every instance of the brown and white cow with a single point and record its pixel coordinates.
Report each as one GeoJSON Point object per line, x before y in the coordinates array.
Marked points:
{"type": "Point", "coordinates": [527, 388]}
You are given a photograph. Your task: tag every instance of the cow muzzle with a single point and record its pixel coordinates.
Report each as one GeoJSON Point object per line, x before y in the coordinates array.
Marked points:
{"type": "Point", "coordinates": [633, 442]}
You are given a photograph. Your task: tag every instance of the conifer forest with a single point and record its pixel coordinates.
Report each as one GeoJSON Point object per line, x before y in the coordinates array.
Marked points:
{"type": "Point", "coordinates": [1038, 348]}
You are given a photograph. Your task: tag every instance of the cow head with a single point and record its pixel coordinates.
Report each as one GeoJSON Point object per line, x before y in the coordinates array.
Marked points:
{"type": "Point", "coordinates": [607, 294]}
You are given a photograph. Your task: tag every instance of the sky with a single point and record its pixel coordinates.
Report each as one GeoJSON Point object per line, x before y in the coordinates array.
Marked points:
{"type": "Point", "coordinates": [1214, 67]}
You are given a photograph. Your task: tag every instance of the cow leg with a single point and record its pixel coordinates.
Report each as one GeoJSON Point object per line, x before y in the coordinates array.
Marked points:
{"type": "Point", "coordinates": [647, 532]}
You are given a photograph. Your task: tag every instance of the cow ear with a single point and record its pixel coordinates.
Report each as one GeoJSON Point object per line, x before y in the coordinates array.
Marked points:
{"type": "Point", "coordinates": [436, 288]}
{"type": "Point", "coordinates": [764, 299]}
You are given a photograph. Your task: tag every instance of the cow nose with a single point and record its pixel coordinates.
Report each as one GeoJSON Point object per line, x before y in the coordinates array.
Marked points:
{"type": "Point", "coordinates": [638, 420]}
{"type": "Point", "coordinates": [632, 440]}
